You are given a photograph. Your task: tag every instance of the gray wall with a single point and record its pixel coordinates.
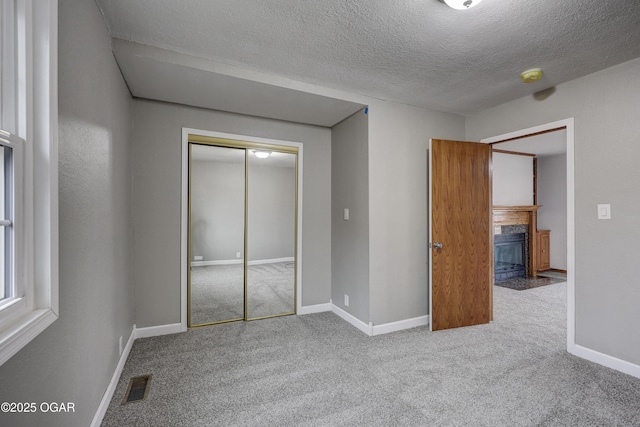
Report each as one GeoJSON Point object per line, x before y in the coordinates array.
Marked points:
{"type": "Point", "coordinates": [272, 201]}
{"type": "Point", "coordinates": [217, 210]}
{"type": "Point", "coordinates": [398, 259]}
{"type": "Point", "coordinates": [606, 107]}
{"type": "Point", "coordinates": [350, 239]}
{"type": "Point", "coordinates": [156, 201]}
{"type": "Point", "coordinates": [552, 195]}
{"type": "Point", "coordinates": [74, 359]}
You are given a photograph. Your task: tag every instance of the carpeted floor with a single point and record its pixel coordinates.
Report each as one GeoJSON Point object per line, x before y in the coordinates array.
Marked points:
{"type": "Point", "coordinates": [217, 292]}
{"type": "Point", "coordinates": [318, 370]}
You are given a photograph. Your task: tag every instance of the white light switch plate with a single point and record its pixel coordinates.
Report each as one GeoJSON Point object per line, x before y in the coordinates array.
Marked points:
{"type": "Point", "coordinates": [604, 211]}
{"type": "Point", "coordinates": [345, 214]}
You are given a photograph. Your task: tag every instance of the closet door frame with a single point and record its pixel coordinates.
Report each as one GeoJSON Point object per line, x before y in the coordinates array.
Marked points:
{"type": "Point", "coordinates": [203, 137]}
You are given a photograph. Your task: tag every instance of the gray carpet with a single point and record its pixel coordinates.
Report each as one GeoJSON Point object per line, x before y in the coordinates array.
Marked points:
{"type": "Point", "coordinates": [317, 370]}
{"type": "Point", "coordinates": [217, 292]}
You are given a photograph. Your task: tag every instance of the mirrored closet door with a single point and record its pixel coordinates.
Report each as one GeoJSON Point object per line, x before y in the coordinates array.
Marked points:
{"type": "Point", "coordinates": [271, 235]}
{"type": "Point", "coordinates": [242, 231]}
{"type": "Point", "coordinates": [217, 211]}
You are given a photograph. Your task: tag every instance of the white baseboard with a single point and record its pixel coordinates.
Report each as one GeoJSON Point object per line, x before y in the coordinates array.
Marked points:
{"type": "Point", "coordinates": [239, 261]}
{"type": "Point", "coordinates": [606, 360]}
{"type": "Point", "coordinates": [369, 329]}
{"type": "Point", "coordinates": [385, 328]}
{"type": "Point", "coordinates": [352, 319]}
{"type": "Point", "coordinates": [270, 261]}
{"type": "Point", "coordinates": [317, 308]}
{"type": "Point", "coordinates": [111, 388]}
{"type": "Point", "coordinates": [136, 333]}
{"type": "Point", "coordinates": [217, 262]}
{"type": "Point", "coordinates": [154, 331]}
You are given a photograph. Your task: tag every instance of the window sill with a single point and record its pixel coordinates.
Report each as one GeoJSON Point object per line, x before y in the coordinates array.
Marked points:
{"type": "Point", "coordinates": [21, 332]}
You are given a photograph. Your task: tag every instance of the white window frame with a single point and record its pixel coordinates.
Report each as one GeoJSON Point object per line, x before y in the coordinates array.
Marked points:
{"type": "Point", "coordinates": [12, 307]}
{"type": "Point", "coordinates": [31, 30]}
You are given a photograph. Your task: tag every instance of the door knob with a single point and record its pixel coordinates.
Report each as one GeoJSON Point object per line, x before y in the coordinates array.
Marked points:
{"type": "Point", "coordinates": [437, 245]}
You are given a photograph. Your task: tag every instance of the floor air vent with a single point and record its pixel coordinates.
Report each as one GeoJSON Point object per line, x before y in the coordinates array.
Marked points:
{"type": "Point", "coordinates": [138, 389]}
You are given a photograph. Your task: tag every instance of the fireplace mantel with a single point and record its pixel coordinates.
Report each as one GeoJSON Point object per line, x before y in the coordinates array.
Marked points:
{"type": "Point", "coordinates": [517, 208]}
{"type": "Point", "coordinates": [515, 215]}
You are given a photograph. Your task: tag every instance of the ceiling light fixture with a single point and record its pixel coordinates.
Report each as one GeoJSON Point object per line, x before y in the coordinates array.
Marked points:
{"type": "Point", "coordinates": [462, 4]}
{"type": "Point", "coordinates": [261, 154]}
{"type": "Point", "coordinates": [532, 75]}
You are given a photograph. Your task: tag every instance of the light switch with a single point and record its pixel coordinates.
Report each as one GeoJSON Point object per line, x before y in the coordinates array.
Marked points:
{"type": "Point", "coordinates": [604, 211]}
{"type": "Point", "coordinates": [346, 214]}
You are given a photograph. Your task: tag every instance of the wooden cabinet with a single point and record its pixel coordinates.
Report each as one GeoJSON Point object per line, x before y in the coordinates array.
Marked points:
{"type": "Point", "coordinates": [543, 243]}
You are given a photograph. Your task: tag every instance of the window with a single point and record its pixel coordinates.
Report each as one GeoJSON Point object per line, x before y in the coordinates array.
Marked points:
{"type": "Point", "coordinates": [7, 288]}
{"type": "Point", "coordinates": [28, 171]}
{"type": "Point", "coordinates": [11, 161]}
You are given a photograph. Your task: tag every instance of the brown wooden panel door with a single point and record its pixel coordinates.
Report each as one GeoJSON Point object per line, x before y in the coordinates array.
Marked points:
{"type": "Point", "coordinates": [461, 221]}
{"type": "Point", "coordinates": [544, 257]}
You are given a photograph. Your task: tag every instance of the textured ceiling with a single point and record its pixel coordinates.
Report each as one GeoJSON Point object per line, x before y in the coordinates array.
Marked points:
{"type": "Point", "coordinates": [418, 52]}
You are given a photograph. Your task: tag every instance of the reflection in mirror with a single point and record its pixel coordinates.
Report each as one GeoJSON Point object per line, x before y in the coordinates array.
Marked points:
{"type": "Point", "coordinates": [217, 205]}
{"type": "Point", "coordinates": [271, 234]}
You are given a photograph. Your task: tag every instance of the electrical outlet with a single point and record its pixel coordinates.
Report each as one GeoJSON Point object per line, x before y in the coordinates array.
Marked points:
{"type": "Point", "coordinates": [346, 300]}
{"type": "Point", "coordinates": [198, 258]}
{"type": "Point", "coordinates": [120, 345]}
{"type": "Point", "coordinates": [238, 255]}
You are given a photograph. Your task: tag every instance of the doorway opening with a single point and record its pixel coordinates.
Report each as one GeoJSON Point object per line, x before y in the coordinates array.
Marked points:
{"type": "Point", "coordinates": [241, 239]}
{"type": "Point", "coordinates": [549, 201]}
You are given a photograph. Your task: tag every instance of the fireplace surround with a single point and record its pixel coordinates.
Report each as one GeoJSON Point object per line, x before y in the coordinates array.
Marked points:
{"type": "Point", "coordinates": [511, 255]}
{"type": "Point", "coordinates": [510, 220]}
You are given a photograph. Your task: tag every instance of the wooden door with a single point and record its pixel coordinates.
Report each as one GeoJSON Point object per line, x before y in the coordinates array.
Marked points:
{"type": "Point", "coordinates": [544, 257]}
{"type": "Point", "coordinates": [461, 223]}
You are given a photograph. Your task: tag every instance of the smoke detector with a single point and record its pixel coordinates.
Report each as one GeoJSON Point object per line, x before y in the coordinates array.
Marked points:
{"type": "Point", "coordinates": [532, 75]}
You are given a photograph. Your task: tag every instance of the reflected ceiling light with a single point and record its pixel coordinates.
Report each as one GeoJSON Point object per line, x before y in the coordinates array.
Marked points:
{"type": "Point", "coordinates": [261, 154]}
{"type": "Point", "coordinates": [462, 4]}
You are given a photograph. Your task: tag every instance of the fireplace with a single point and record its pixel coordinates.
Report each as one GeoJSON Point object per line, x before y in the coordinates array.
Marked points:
{"type": "Point", "coordinates": [510, 256]}
{"type": "Point", "coordinates": [514, 256]}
